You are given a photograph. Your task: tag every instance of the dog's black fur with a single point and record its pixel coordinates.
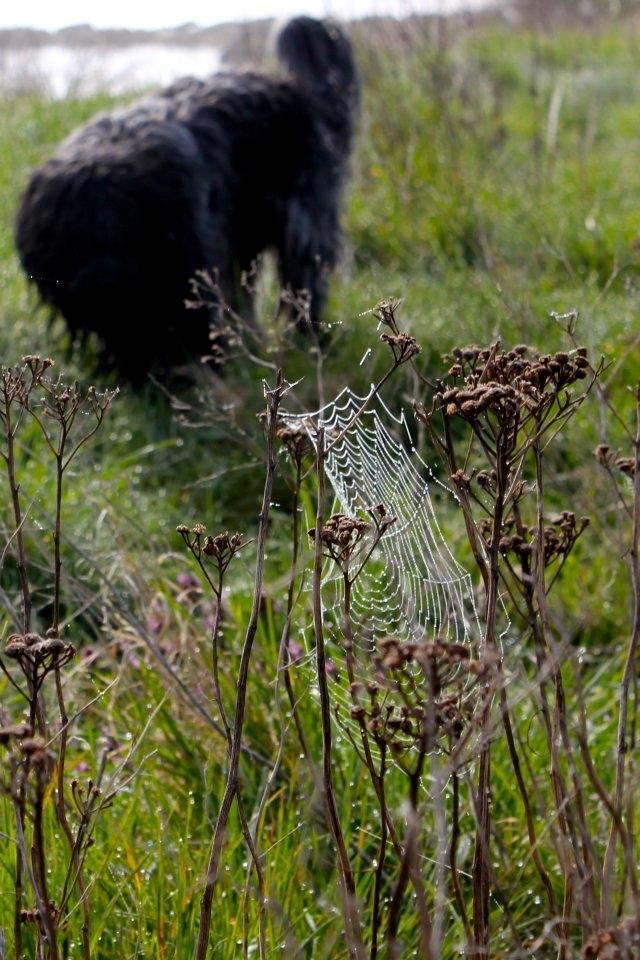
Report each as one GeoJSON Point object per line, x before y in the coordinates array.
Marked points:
{"type": "Point", "coordinates": [205, 174]}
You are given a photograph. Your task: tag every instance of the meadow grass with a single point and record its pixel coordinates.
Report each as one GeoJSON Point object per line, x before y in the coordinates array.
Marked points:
{"type": "Point", "coordinates": [496, 179]}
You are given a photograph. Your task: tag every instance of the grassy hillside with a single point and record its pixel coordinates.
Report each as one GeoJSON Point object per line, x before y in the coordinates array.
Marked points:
{"type": "Point", "coordinates": [496, 181]}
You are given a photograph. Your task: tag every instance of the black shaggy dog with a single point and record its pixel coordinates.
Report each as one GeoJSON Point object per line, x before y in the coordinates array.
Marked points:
{"type": "Point", "coordinates": [206, 174]}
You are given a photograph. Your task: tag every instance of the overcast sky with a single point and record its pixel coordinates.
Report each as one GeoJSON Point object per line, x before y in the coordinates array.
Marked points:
{"type": "Point", "coordinates": [53, 14]}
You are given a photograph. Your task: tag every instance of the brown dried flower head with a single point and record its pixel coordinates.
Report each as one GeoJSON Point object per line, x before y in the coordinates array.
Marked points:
{"type": "Point", "coordinates": [294, 435]}
{"type": "Point", "coordinates": [222, 547]}
{"type": "Point", "coordinates": [385, 312]}
{"type": "Point", "coordinates": [403, 346]}
{"type": "Point", "coordinates": [560, 536]}
{"type": "Point", "coordinates": [14, 731]}
{"type": "Point", "coordinates": [42, 653]}
{"type": "Point", "coordinates": [503, 382]}
{"type": "Point", "coordinates": [621, 942]}
{"type": "Point", "coordinates": [341, 534]}
{"type": "Point", "coordinates": [626, 465]}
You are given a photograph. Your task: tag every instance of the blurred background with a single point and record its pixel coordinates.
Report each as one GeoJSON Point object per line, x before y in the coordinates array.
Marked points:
{"type": "Point", "coordinates": [81, 48]}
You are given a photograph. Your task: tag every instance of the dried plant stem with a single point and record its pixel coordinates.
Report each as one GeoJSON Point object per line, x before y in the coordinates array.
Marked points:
{"type": "Point", "coordinates": [410, 863]}
{"type": "Point", "coordinates": [60, 802]}
{"type": "Point", "coordinates": [18, 886]}
{"type": "Point", "coordinates": [584, 855]}
{"type": "Point", "coordinates": [382, 852]}
{"type": "Point", "coordinates": [40, 869]}
{"type": "Point", "coordinates": [14, 488]}
{"type": "Point", "coordinates": [283, 666]}
{"type": "Point", "coordinates": [351, 915]}
{"type": "Point", "coordinates": [215, 646]}
{"type": "Point", "coordinates": [286, 633]}
{"type": "Point", "coordinates": [61, 813]}
{"type": "Point", "coordinates": [231, 788]}
{"type": "Point", "coordinates": [566, 836]}
{"type": "Point", "coordinates": [524, 796]}
{"type": "Point", "coordinates": [244, 825]}
{"type": "Point", "coordinates": [453, 854]}
{"type": "Point", "coordinates": [622, 745]}
{"type": "Point", "coordinates": [57, 560]}
{"type": "Point", "coordinates": [625, 837]}
{"type": "Point", "coordinates": [375, 776]}
{"type": "Point", "coordinates": [481, 863]}
{"type": "Point", "coordinates": [387, 827]}
{"type": "Point", "coordinates": [30, 870]}
{"type": "Point", "coordinates": [251, 842]}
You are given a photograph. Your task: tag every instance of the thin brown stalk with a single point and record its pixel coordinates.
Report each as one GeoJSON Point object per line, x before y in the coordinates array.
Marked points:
{"type": "Point", "coordinates": [231, 788]}
{"type": "Point", "coordinates": [453, 854]}
{"type": "Point", "coordinates": [585, 858]}
{"type": "Point", "coordinates": [410, 863]}
{"type": "Point", "coordinates": [29, 870]}
{"type": "Point", "coordinates": [382, 853]}
{"type": "Point", "coordinates": [622, 745]}
{"type": "Point", "coordinates": [283, 666]}
{"type": "Point", "coordinates": [18, 884]}
{"type": "Point", "coordinates": [524, 796]}
{"type": "Point", "coordinates": [481, 865]}
{"type": "Point", "coordinates": [39, 867]}
{"type": "Point", "coordinates": [351, 915]}
{"type": "Point", "coordinates": [61, 813]}
{"type": "Point", "coordinates": [286, 633]}
{"type": "Point", "coordinates": [14, 489]}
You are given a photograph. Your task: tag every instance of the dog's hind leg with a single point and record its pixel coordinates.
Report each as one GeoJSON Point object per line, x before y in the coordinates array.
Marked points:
{"type": "Point", "coordinates": [307, 255]}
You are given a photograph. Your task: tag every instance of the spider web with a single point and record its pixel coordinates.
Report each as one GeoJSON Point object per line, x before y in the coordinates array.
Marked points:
{"type": "Point", "coordinates": [412, 588]}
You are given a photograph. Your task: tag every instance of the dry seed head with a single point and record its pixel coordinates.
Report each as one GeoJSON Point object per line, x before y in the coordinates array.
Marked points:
{"type": "Point", "coordinates": [402, 345]}
{"type": "Point", "coordinates": [503, 381]}
{"type": "Point", "coordinates": [31, 745]}
{"type": "Point", "coordinates": [626, 465]}
{"type": "Point", "coordinates": [222, 547]}
{"type": "Point", "coordinates": [602, 453]}
{"type": "Point", "coordinates": [461, 480]}
{"type": "Point", "coordinates": [15, 731]}
{"type": "Point", "coordinates": [15, 646]}
{"type": "Point", "coordinates": [45, 652]}
{"type": "Point", "coordinates": [621, 942]}
{"type": "Point", "coordinates": [384, 311]}
{"type": "Point", "coordinates": [295, 438]}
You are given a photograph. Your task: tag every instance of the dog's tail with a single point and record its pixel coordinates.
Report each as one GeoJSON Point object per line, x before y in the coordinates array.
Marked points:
{"type": "Point", "coordinates": [319, 57]}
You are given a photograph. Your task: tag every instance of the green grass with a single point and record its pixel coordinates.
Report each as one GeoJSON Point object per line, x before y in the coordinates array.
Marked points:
{"type": "Point", "coordinates": [485, 215]}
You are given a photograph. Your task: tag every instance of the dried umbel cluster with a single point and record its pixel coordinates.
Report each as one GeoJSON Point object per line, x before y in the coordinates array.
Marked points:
{"type": "Point", "coordinates": [17, 382]}
{"type": "Point", "coordinates": [385, 313]}
{"type": "Point", "coordinates": [433, 682]}
{"type": "Point", "coordinates": [403, 346]}
{"type": "Point", "coordinates": [605, 456]}
{"type": "Point", "coordinates": [511, 400]}
{"type": "Point", "coordinates": [54, 399]}
{"type": "Point", "coordinates": [38, 655]}
{"type": "Point", "coordinates": [219, 549]}
{"type": "Point", "coordinates": [503, 382]}
{"type": "Point", "coordinates": [559, 536]}
{"type": "Point", "coordinates": [20, 737]}
{"type": "Point", "coordinates": [295, 437]}
{"type": "Point", "coordinates": [61, 401]}
{"type": "Point", "coordinates": [615, 943]}
{"type": "Point", "coordinates": [343, 537]}
{"type": "Point", "coordinates": [28, 754]}
{"type": "Point", "coordinates": [388, 724]}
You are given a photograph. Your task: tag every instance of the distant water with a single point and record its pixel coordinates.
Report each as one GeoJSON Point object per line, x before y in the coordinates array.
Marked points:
{"type": "Point", "coordinates": [59, 71]}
